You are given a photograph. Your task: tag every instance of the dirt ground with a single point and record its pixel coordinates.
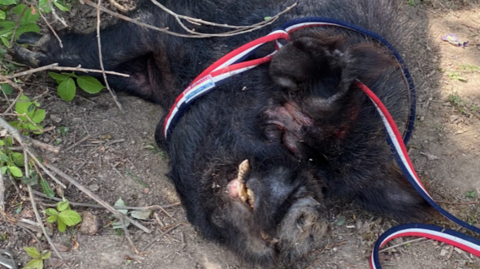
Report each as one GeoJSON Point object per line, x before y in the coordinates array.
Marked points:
{"type": "Point", "coordinates": [120, 160]}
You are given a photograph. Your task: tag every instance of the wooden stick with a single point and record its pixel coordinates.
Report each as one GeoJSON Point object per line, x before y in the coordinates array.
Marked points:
{"type": "Point", "coordinates": [61, 68]}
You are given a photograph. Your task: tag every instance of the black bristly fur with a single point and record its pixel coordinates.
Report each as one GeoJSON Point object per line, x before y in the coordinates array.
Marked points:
{"type": "Point", "coordinates": [304, 126]}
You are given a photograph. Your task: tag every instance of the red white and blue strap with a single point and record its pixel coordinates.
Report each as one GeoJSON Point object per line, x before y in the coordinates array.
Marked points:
{"type": "Point", "coordinates": [447, 236]}
{"type": "Point", "coordinates": [454, 238]}
{"type": "Point", "coordinates": [227, 66]}
{"type": "Point", "coordinates": [231, 64]}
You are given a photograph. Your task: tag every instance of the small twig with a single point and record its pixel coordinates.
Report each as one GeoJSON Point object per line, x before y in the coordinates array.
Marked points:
{"type": "Point", "coordinates": [45, 146]}
{"type": "Point", "coordinates": [34, 207]}
{"type": "Point", "coordinates": [116, 170]}
{"type": "Point", "coordinates": [17, 24]}
{"type": "Point", "coordinates": [39, 220]}
{"type": "Point", "coordinates": [38, 242]}
{"type": "Point", "coordinates": [141, 208]}
{"type": "Point", "coordinates": [161, 235]}
{"type": "Point", "coordinates": [16, 86]}
{"type": "Point", "coordinates": [2, 193]}
{"type": "Point", "coordinates": [118, 6]}
{"type": "Point", "coordinates": [457, 203]}
{"type": "Point", "coordinates": [250, 28]}
{"type": "Point", "coordinates": [114, 96]}
{"type": "Point", "coordinates": [401, 244]}
{"type": "Point", "coordinates": [54, 13]}
{"type": "Point", "coordinates": [61, 68]}
{"type": "Point", "coordinates": [95, 197]}
{"type": "Point", "coordinates": [51, 29]}
{"type": "Point", "coordinates": [78, 143]}
{"type": "Point", "coordinates": [240, 29]}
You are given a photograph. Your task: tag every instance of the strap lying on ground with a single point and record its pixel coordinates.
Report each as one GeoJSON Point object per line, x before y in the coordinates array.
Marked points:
{"type": "Point", "coordinates": [450, 237]}
{"type": "Point", "coordinates": [233, 64]}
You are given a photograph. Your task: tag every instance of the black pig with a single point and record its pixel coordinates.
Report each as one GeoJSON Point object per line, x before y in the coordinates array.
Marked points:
{"type": "Point", "coordinates": [253, 160]}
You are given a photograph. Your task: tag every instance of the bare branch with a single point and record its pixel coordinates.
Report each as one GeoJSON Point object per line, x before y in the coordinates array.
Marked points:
{"type": "Point", "coordinates": [2, 194]}
{"type": "Point", "coordinates": [50, 27]}
{"type": "Point", "coordinates": [118, 6]}
{"type": "Point", "coordinates": [61, 68]}
{"type": "Point", "coordinates": [34, 207]}
{"type": "Point", "coordinates": [55, 15]}
{"type": "Point", "coordinates": [114, 96]}
{"type": "Point", "coordinates": [249, 28]}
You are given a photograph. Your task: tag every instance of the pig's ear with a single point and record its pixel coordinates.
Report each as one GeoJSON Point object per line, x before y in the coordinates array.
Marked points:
{"type": "Point", "coordinates": [298, 61]}
{"type": "Point", "coordinates": [326, 67]}
{"type": "Point", "coordinates": [313, 60]}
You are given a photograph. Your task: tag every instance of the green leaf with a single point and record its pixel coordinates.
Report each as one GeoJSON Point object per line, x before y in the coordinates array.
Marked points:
{"type": "Point", "coordinates": [143, 215]}
{"type": "Point", "coordinates": [6, 88]}
{"type": "Point", "coordinates": [5, 41]}
{"type": "Point", "coordinates": [58, 77]}
{"type": "Point", "coordinates": [4, 157]}
{"type": "Point", "coordinates": [46, 254]}
{"type": "Point", "coordinates": [61, 7]}
{"type": "Point", "coordinates": [70, 217]}
{"type": "Point", "coordinates": [62, 206]}
{"type": "Point", "coordinates": [30, 15]}
{"type": "Point", "coordinates": [61, 226]}
{"type": "Point", "coordinates": [18, 9]}
{"type": "Point", "coordinates": [44, 6]}
{"type": "Point", "coordinates": [66, 89]}
{"type": "Point", "coordinates": [4, 170]}
{"type": "Point", "coordinates": [6, 27]}
{"type": "Point", "coordinates": [32, 180]}
{"type": "Point", "coordinates": [46, 189]}
{"type": "Point", "coordinates": [2, 15]}
{"type": "Point", "coordinates": [32, 252]}
{"type": "Point", "coordinates": [33, 127]}
{"type": "Point", "coordinates": [16, 172]}
{"type": "Point", "coordinates": [34, 264]}
{"type": "Point", "coordinates": [52, 219]}
{"type": "Point", "coordinates": [38, 116]}
{"type": "Point", "coordinates": [7, 2]}
{"type": "Point", "coordinates": [51, 212]}
{"type": "Point", "coordinates": [17, 159]}
{"type": "Point", "coordinates": [22, 105]}
{"type": "Point", "coordinates": [120, 202]}
{"type": "Point", "coordinates": [89, 84]}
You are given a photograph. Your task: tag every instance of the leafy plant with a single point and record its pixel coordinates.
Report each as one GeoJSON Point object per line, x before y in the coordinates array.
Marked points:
{"type": "Point", "coordinates": [64, 215]}
{"type": "Point", "coordinates": [29, 116]}
{"type": "Point", "coordinates": [27, 22]}
{"type": "Point", "coordinates": [27, 16]}
{"type": "Point", "coordinates": [470, 68]}
{"type": "Point", "coordinates": [37, 259]}
{"type": "Point", "coordinates": [456, 76]}
{"type": "Point", "coordinates": [67, 87]}
{"type": "Point", "coordinates": [11, 161]}
{"type": "Point", "coordinates": [455, 99]}
{"type": "Point", "coordinates": [471, 194]}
